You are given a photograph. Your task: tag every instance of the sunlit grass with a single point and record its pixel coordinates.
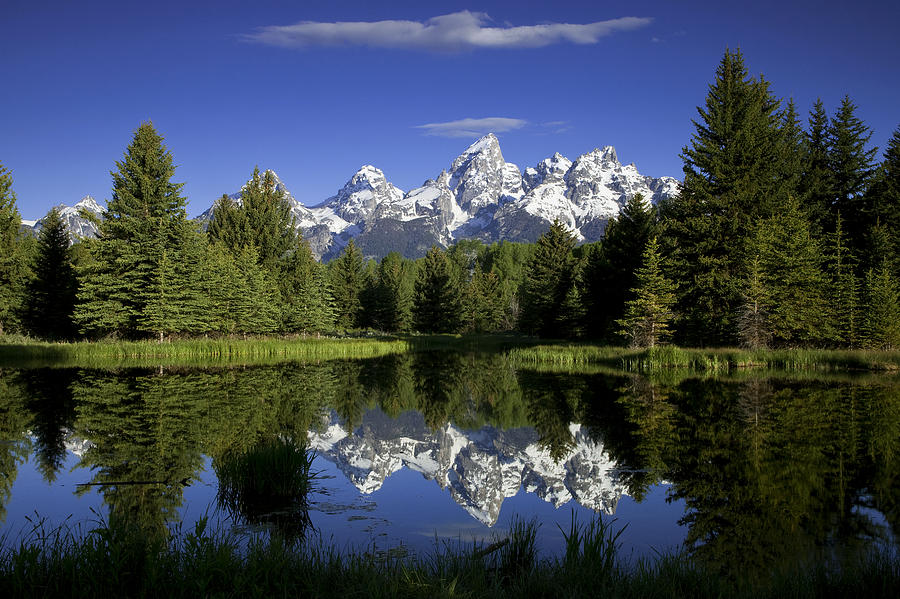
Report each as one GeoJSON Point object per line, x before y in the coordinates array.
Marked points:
{"type": "Point", "coordinates": [705, 360]}
{"type": "Point", "coordinates": [190, 352]}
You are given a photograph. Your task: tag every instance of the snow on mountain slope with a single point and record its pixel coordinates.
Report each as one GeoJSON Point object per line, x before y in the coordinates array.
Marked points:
{"type": "Point", "coordinates": [480, 469]}
{"type": "Point", "coordinates": [480, 196]}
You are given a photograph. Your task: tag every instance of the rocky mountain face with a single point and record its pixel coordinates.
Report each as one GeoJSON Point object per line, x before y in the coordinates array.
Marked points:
{"type": "Point", "coordinates": [478, 468]}
{"type": "Point", "coordinates": [481, 196]}
{"type": "Point", "coordinates": [72, 216]}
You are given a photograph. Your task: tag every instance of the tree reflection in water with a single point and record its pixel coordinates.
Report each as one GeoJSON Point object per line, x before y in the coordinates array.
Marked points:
{"type": "Point", "coordinates": [770, 469]}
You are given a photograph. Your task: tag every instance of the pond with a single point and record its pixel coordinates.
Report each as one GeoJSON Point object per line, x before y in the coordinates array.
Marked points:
{"type": "Point", "coordinates": [740, 471]}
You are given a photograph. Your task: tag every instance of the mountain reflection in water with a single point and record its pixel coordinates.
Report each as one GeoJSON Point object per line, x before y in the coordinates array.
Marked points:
{"type": "Point", "coordinates": [757, 470]}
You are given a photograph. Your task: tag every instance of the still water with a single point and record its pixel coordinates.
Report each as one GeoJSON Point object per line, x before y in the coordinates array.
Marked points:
{"type": "Point", "coordinates": [429, 448]}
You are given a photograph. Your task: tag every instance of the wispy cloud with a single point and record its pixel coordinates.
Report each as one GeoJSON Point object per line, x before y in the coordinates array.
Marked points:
{"type": "Point", "coordinates": [472, 127]}
{"type": "Point", "coordinates": [455, 32]}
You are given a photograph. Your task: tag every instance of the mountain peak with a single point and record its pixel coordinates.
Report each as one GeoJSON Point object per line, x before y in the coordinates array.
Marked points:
{"type": "Point", "coordinates": [485, 143]}
{"type": "Point", "coordinates": [89, 203]}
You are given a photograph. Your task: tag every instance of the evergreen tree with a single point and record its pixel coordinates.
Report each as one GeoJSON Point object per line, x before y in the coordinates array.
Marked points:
{"type": "Point", "coordinates": [817, 182]}
{"type": "Point", "coordinates": [51, 294]}
{"type": "Point", "coordinates": [548, 279]}
{"type": "Point", "coordinates": [509, 260]}
{"type": "Point", "coordinates": [754, 330]}
{"type": "Point", "coordinates": [306, 292]}
{"type": "Point", "coordinates": [610, 269]}
{"type": "Point", "coordinates": [484, 307]}
{"type": "Point", "coordinates": [790, 262]}
{"type": "Point", "coordinates": [256, 307]}
{"type": "Point", "coordinates": [13, 258]}
{"type": "Point", "coordinates": [346, 274]}
{"type": "Point", "coordinates": [143, 233]}
{"type": "Point", "coordinates": [844, 288]}
{"type": "Point", "coordinates": [262, 219]}
{"type": "Point", "coordinates": [649, 313]}
{"type": "Point", "coordinates": [852, 167]}
{"type": "Point", "coordinates": [733, 176]}
{"type": "Point", "coordinates": [436, 308]}
{"type": "Point", "coordinates": [881, 323]}
{"type": "Point", "coordinates": [884, 202]}
{"type": "Point", "coordinates": [394, 294]}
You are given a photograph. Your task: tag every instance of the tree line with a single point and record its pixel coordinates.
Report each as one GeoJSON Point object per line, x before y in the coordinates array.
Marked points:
{"type": "Point", "coordinates": [783, 235]}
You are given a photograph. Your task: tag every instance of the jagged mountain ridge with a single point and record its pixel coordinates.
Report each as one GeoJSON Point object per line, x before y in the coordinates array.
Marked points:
{"type": "Point", "coordinates": [481, 196]}
{"type": "Point", "coordinates": [479, 468]}
{"type": "Point", "coordinates": [76, 224]}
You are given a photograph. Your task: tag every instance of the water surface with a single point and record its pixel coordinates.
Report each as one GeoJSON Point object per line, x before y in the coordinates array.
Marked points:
{"type": "Point", "coordinates": [440, 447]}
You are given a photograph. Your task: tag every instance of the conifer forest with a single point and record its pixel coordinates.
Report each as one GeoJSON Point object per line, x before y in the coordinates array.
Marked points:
{"type": "Point", "coordinates": [784, 234]}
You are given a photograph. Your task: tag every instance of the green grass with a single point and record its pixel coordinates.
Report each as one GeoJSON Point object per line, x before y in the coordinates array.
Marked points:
{"type": "Point", "coordinates": [116, 562]}
{"type": "Point", "coordinates": [268, 484]}
{"type": "Point", "coordinates": [705, 360]}
{"type": "Point", "coordinates": [200, 352]}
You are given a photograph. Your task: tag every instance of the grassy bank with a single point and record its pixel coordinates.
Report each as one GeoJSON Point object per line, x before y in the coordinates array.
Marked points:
{"type": "Point", "coordinates": [114, 562]}
{"type": "Point", "coordinates": [706, 360]}
{"type": "Point", "coordinates": [203, 352]}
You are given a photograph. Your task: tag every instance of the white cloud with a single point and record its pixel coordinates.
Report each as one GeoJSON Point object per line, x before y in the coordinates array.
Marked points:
{"type": "Point", "coordinates": [472, 127]}
{"type": "Point", "coordinates": [447, 33]}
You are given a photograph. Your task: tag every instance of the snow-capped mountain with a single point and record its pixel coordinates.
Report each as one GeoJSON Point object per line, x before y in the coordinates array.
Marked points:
{"type": "Point", "coordinates": [78, 225]}
{"type": "Point", "coordinates": [480, 196]}
{"type": "Point", "coordinates": [478, 468]}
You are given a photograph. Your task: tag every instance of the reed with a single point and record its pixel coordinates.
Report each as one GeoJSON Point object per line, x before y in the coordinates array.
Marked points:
{"type": "Point", "coordinates": [269, 484]}
{"type": "Point", "coordinates": [705, 360]}
{"type": "Point", "coordinates": [191, 352]}
{"type": "Point", "coordinates": [122, 562]}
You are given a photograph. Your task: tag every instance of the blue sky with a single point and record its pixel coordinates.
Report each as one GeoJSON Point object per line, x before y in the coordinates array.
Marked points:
{"type": "Point", "coordinates": [314, 90]}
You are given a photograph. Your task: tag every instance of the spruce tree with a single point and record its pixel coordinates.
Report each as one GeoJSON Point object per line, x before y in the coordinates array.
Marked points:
{"type": "Point", "coordinates": [610, 269]}
{"type": "Point", "coordinates": [649, 313]}
{"type": "Point", "coordinates": [881, 322]}
{"type": "Point", "coordinates": [791, 267]}
{"type": "Point", "coordinates": [817, 181]}
{"type": "Point", "coordinates": [394, 294]}
{"type": "Point", "coordinates": [733, 176]}
{"type": "Point", "coordinates": [852, 166]}
{"type": "Point", "coordinates": [306, 292]}
{"type": "Point", "coordinates": [844, 300]}
{"type": "Point", "coordinates": [548, 279]}
{"type": "Point", "coordinates": [437, 304]}
{"type": "Point", "coordinates": [346, 274]}
{"type": "Point", "coordinates": [263, 218]}
{"type": "Point", "coordinates": [51, 293]}
{"type": "Point", "coordinates": [14, 269]}
{"type": "Point", "coordinates": [883, 199]}
{"type": "Point", "coordinates": [754, 329]}
{"type": "Point", "coordinates": [144, 231]}
{"type": "Point", "coordinates": [484, 308]}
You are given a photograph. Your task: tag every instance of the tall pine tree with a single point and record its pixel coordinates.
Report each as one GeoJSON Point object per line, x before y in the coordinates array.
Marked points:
{"type": "Point", "coordinates": [13, 258]}
{"type": "Point", "coordinates": [346, 274]}
{"type": "Point", "coordinates": [437, 305]}
{"type": "Point", "coordinates": [548, 280]}
{"type": "Point", "coordinates": [817, 181]}
{"type": "Point", "coordinates": [649, 313]}
{"type": "Point", "coordinates": [883, 199]}
{"type": "Point", "coordinates": [262, 219]}
{"type": "Point", "coordinates": [143, 233]}
{"type": "Point", "coordinates": [51, 294]}
{"type": "Point", "coordinates": [610, 269]}
{"type": "Point", "coordinates": [851, 163]}
{"type": "Point", "coordinates": [733, 176]}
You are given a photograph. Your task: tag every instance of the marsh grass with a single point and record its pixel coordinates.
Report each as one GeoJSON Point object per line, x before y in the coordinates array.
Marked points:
{"type": "Point", "coordinates": [121, 561]}
{"type": "Point", "coordinates": [22, 352]}
{"type": "Point", "coordinates": [269, 484]}
{"type": "Point", "coordinates": [718, 360]}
